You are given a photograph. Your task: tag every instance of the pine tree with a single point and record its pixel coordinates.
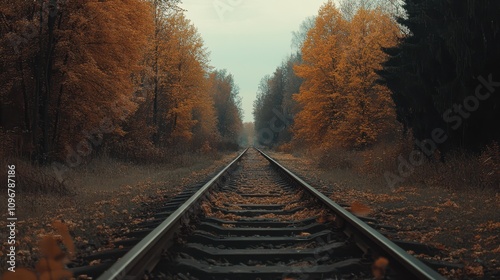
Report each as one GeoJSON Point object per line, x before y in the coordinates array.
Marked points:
{"type": "Point", "coordinates": [450, 48]}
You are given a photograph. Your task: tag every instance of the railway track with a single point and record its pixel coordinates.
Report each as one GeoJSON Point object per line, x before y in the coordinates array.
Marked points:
{"type": "Point", "coordinates": [257, 220]}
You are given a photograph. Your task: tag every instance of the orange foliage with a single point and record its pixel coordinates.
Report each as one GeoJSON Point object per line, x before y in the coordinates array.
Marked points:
{"type": "Point", "coordinates": [318, 94]}
{"type": "Point", "coordinates": [183, 62]}
{"type": "Point", "coordinates": [360, 209]}
{"type": "Point", "coordinates": [176, 108]}
{"type": "Point", "coordinates": [51, 264]}
{"type": "Point", "coordinates": [66, 237]}
{"type": "Point", "coordinates": [73, 74]}
{"type": "Point", "coordinates": [379, 267]}
{"type": "Point", "coordinates": [96, 61]}
{"type": "Point", "coordinates": [342, 103]}
{"type": "Point", "coordinates": [135, 70]}
{"type": "Point", "coordinates": [20, 274]}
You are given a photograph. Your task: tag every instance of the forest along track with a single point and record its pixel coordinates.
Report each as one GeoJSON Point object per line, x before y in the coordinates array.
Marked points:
{"type": "Point", "coordinates": [255, 220]}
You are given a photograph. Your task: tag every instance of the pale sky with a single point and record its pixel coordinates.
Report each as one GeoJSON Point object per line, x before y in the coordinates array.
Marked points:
{"type": "Point", "coordinates": [249, 38]}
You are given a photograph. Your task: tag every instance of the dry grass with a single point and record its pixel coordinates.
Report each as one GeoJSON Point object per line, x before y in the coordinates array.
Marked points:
{"type": "Point", "coordinates": [453, 205]}
{"type": "Point", "coordinates": [336, 158]}
{"type": "Point", "coordinates": [175, 154]}
{"type": "Point", "coordinates": [107, 173]}
{"type": "Point", "coordinates": [107, 194]}
{"type": "Point", "coordinates": [462, 171]}
{"type": "Point", "coordinates": [459, 171]}
{"type": "Point", "coordinates": [33, 180]}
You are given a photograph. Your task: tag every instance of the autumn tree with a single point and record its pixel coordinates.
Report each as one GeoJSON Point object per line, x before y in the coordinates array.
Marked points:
{"type": "Point", "coordinates": [176, 109]}
{"type": "Point", "coordinates": [206, 135]}
{"type": "Point", "coordinates": [320, 92]}
{"type": "Point", "coordinates": [101, 60]}
{"type": "Point", "coordinates": [162, 9]}
{"type": "Point", "coordinates": [183, 66]}
{"type": "Point", "coordinates": [72, 73]}
{"type": "Point", "coordinates": [133, 72]}
{"type": "Point", "coordinates": [341, 102]}
{"type": "Point", "coordinates": [368, 110]}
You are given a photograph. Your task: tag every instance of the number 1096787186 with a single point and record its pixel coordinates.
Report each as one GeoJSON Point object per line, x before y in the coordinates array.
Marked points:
{"type": "Point", "coordinates": [11, 192]}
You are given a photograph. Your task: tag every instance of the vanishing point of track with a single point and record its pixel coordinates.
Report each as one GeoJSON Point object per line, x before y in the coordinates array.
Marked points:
{"type": "Point", "coordinates": [255, 220]}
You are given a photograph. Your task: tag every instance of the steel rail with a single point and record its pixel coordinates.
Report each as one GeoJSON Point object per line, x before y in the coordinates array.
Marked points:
{"type": "Point", "coordinates": [363, 232]}
{"type": "Point", "coordinates": [146, 254]}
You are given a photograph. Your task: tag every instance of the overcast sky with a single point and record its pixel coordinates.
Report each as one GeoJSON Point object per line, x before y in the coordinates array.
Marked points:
{"type": "Point", "coordinates": [249, 38]}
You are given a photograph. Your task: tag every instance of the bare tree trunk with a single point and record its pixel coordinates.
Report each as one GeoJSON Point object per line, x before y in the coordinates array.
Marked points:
{"type": "Point", "coordinates": [38, 85]}
{"type": "Point", "coordinates": [27, 122]}
{"type": "Point", "coordinates": [44, 110]}
{"type": "Point", "coordinates": [156, 136]}
{"type": "Point", "coordinates": [55, 134]}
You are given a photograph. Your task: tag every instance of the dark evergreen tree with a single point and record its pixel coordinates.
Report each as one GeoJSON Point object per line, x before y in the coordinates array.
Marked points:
{"type": "Point", "coordinates": [445, 75]}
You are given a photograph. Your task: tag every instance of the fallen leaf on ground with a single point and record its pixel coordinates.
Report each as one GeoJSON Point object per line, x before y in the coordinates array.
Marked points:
{"type": "Point", "coordinates": [360, 209]}
{"type": "Point", "coordinates": [379, 267]}
{"type": "Point", "coordinates": [20, 274]}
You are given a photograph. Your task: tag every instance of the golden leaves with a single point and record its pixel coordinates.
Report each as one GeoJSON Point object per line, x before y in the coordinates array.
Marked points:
{"type": "Point", "coordinates": [341, 103]}
{"type": "Point", "coordinates": [325, 218]}
{"type": "Point", "coordinates": [449, 203]}
{"type": "Point", "coordinates": [181, 63]}
{"type": "Point", "coordinates": [360, 209]}
{"type": "Point", "coordinates": [99, 60]}
{"type": "Point", "coordinates": [489, 226]}
{"type": "Point", "coordinates": [207, 210]}
{"type": "Point", "coordinates": [20, 274]}
{"type": "Point", "coordinates": [49, 247]}
{"type": "Point", "coordinates": [51, 265]}
{"type": "Point", "coordinates": [66, 237]}
{"type": "Point", "coordinates": [379, 268]}
{"type": "Point", "coordinates": [475, 271]}
{"type": "Point", "coordinates": [497, 250]}
{"type": "Point", "coordinates": [56, 275]}
{"type": "Point", "coordinates": [48, 265]}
